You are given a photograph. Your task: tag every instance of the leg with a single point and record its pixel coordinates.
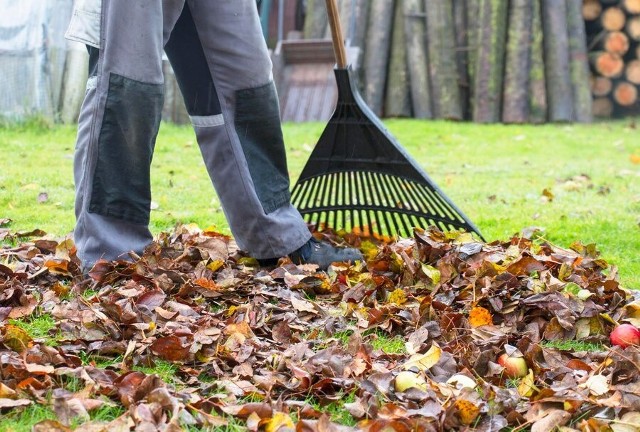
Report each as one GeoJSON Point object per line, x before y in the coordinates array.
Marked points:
{"type": "Point", "coordinates": [224, 71]}
{"type": "Point", "coordinates": [117, 128]}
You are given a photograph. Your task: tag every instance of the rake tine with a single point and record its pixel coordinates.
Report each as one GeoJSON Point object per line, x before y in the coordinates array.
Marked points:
{"type": "Point", "coordinates": [306, 202]}
{"type": "Point", "coordinates": [446, 208]}
{"type": "Point", "coordinates": [435, 202]}
{"type": "Point", "coordinates": [410, 187]}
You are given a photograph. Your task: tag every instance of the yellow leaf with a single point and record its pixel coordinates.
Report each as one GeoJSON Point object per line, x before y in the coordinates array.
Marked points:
{"type": "Point", "coordinates": [479, 316]}
{"type": "Point", "coordinates": [467, 411]}
{"type": "Point", "coordinates": [16, 338]}
{"type": "Point", "coordinates": [215, 265]}
{"type": "Point", "coordinates": [527, 388]}
{"type": "Point", "coordinates": [279, 420]}
{"type": "Point", "coordinates": [608, 318]}
{"type": "Point", "coordinates": [424, 361]}
{"type": "Point", "coordinates": [635, 159]}
{"type": "Point", "coordinates": [369, 250]}
{"type": "Point", "coordinates": [398, 296]}
{"type": "Point", "coordinates": [249, 262]}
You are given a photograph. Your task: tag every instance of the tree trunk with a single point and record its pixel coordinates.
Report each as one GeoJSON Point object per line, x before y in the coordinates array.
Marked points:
{"type": "Point", "coordinates": [625, 94]}
{"type": "Point", "coordinates": [398, 102]}
{"type": "Point", "coordinates": [556, 48]}
{"type": "Point", "coordinates": [631, 6]}
{"type": "Point", "coordinates": [591, 10]}
{"type": "Point", "coordinates": [360, 27]}
{"type": "Point", "coordinates": [462, 54]}
{"type": "Point", "coordinates": [490, 61]}
{"type": "Point", "coordinates": [473, 12]}
{"type": "Point", "coordinates": [632, 71]}
{"type": "Point", "coordinates": [442, 60]}
{"type": "Point", "coordinates": [515, 107]}
{"type": "Point", "coordinates": [537, 81]}
{"type": "Point", "coordinates": [376, 54]}
{"type": "Point", "coordinates": [361, 18]}
{"type": "Point", "coordinates": [74, 82]}
{"type": "Point", "coordinates": [315, 23]}
{"type": "Point", "coordinates": [613, 19]}
{"type": "Point", "coordinates": [633, 28]}
{"type": "Point", "coordinates": [417, 58]}
{"type": "Point", "coordinates": [579, 63]}
{"type": "Point", "coordinates": [602, 107]}
{"type": "Point", "coordinates": [616, 42]}
{"type": "Point", "coordinates": [607, 64]}
{"type": "Point", "coordinates": [601, 86]}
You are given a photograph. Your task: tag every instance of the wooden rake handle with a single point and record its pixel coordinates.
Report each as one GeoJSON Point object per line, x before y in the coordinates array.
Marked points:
{"type": "Point", "coordinates": [336, 34]}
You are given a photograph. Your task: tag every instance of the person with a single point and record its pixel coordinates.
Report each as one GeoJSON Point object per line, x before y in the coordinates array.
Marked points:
{"type": "Point", "coordinates": [223, 69]}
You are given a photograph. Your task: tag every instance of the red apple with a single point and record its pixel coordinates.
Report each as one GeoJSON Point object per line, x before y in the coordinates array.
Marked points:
{"type": "Point", "coordinates": [514, 367]}
{"type": "Point", "coordinates": [625, 335]}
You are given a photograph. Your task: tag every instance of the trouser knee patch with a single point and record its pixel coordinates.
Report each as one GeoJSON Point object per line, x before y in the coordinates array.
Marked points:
{"type": "Point", "coordinates": [121, 184]}
{"type": "Point", "coordinates": [257, 121]}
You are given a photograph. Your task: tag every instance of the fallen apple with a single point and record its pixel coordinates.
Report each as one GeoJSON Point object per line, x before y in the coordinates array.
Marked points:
{"type": "Point", "coordinates": [625, 335]}
{"type": "Point", "coordinates": [514, 367]}
{"type": "Point", "coordinates": [408, 379]}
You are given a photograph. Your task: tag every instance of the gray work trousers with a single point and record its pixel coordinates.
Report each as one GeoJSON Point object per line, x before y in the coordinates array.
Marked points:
{"type": "Point", "coordinates": [222, 65]}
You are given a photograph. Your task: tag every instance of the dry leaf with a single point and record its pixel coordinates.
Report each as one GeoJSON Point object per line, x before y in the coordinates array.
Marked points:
{"type": "Point", "coordinates": [598, 385]}
{"type": "Point", "coordinates": [527, 387]}
{"type": "Point", "coordinates": [479, 316]}
{"type": "Point", "coordinates": [468, 412]}
{"type": "Point", "coordinates": [425, 361]}
{"type": "Point", "coordinates": [16, 338]}
{"type": "Point", "coordinates": [553, 420]}
{"type": "Point", "coordinates": [279, 420]}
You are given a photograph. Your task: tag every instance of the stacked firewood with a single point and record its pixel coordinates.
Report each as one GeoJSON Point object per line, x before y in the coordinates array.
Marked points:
{"type": "Point", "coordinates": [518, 61]}
{"type": "Point", "coordinates": [613, 35]}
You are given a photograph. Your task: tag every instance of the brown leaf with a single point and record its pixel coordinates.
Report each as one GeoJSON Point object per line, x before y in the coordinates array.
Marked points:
{"type": "Point", "coordinates": [50, 426]}
{"type": "Point", "coordinates": [127, 385]}
{"type": "Point", "coordinates": [171, 348]}
{"type": "Point", "coordinates": [553, 420]}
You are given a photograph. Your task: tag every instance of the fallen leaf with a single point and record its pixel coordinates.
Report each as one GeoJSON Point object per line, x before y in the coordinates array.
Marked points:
{"type": "Point", "coordinates": [279, 420]}
{"type": "Point", "coordinates": [170, 348]}
{"type": "Point", "coordinates": [597, 385]}
{"type": "Point", "coordinates": [553, 420]}
{"type": "Point", "coordinates": [16, 338]}
{"type": "Point", "coordinates": [468, 412]}
{"type": "Point", "coordinates": [398, 296]}
{"type": "Point", "coordinates": [13, 403]}
{"type": "Point", "coordinates": [479, 316]}
{"type": "Point", "coordinates": [424, 361]}
{"type": "Point", "coordinates": [527, 387]}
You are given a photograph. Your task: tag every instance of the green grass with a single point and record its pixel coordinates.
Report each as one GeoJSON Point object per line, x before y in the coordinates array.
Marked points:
{"type": "Point", "coordinates": [24, 420]}
{"type": "Point", "coordinates": [335, 410]}
{"type": "Point", "coordinates": [573, 345]}
{"type": "Point", "coordinates": [381, 340]}
{"type": "Point", "coordinates": [38, 327]}
{"type": "Point", "coordinates": [164, 369]}
{"type": "Point", "coordinates": [495, 173]}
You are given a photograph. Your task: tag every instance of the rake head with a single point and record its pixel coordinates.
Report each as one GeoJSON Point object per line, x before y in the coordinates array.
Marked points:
{"type": "Point", "coordinates": [374, 204]}
{"type": "Point", "coordinates": [359, 178]}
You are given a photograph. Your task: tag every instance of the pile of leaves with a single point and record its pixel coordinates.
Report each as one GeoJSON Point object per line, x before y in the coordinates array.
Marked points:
{"type": "Point", "coordinates": [289, 347]}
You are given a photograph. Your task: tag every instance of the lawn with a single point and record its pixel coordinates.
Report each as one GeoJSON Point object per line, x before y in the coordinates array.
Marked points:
{"type": "Point", "coordinates": [577, 182]}
{"type": "Point", "coordinates": [195, 336]}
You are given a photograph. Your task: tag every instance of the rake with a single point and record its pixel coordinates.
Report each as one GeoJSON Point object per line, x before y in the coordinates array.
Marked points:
{"type": "Point", "coordinates": [359, 178]}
